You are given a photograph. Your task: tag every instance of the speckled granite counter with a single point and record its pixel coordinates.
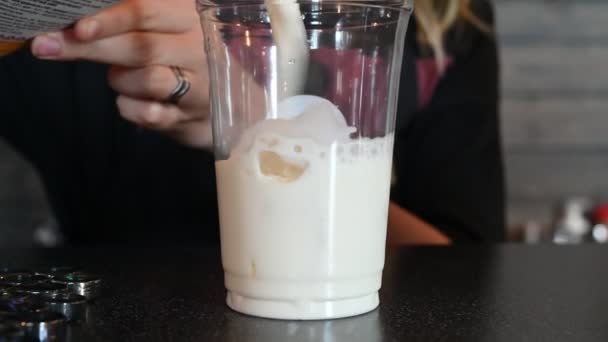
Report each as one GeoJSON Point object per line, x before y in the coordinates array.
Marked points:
{"type": "Point", "coordinates": [467, 293]}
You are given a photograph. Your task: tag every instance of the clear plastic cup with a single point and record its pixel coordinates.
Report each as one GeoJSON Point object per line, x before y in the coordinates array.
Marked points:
{"type": "Point", "coordinates": [303, 99]}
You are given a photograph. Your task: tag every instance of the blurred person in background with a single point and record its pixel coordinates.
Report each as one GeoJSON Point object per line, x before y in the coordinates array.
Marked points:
{"type": "Point", "coordinates": [448, 153]}
{"type": "Point", "coordinates": [88, 107]}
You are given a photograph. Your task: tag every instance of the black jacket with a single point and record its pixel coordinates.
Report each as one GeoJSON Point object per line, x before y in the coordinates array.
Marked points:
{"type": "Point", "coordinates": [109, 181]}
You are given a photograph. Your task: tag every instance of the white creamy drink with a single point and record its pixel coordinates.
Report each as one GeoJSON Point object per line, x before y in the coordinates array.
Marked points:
{"type": "Point", "coordinates": [303, 210]}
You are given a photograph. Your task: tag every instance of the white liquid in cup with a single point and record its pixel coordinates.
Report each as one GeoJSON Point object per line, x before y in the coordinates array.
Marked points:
{"type": "Point", "coordinates": [303, 211]}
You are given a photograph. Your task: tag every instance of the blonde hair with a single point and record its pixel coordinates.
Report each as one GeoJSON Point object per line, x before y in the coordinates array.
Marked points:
{"type": "Point", "coordinates": [436, 17]}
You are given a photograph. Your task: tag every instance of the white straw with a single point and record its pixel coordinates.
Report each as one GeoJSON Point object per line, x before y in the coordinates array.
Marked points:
{"type": "Point", "coordinates": [292, 55]}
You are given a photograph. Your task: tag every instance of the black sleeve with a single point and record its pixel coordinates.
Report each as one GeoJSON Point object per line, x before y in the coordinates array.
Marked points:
{"type": "Point", "coordinates": [35, 100]}
{"type": "Point", "coordinates": [11, 97]}
{"type": "Point", "coordinates": [448, 159]}
{"type": "Point", "coordinates": [106, 179]}
{"type": "Point", "coordinates": [37, 120]}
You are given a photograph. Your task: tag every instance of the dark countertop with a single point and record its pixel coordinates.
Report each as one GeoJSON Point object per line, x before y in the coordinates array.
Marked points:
{"type": "Point", "coordinates": [466, 293]}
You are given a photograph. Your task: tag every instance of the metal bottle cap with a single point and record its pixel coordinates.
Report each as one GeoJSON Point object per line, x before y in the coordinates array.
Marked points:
{"type": "Point", "coordinates": [5, 289]}
{"type": "Point", "coordinates": [52, 271]}
{"type": "Point", "coordinates": [21, 278]}
{"type": "Point", "coordinates": [19, 304]}
{"type": "Point", "coordinates": [6, 307]}
{"type": "Point", "coordinates": [8, 269]}
{"type": "Point", "coordinates": [41, 288]}
{"type": "Point", "coordinates": [84, 284]}
{"type": "Point", "coordinates": [71, 305]}
{"type": "Point", "coordinates": [11, 295]}
{"type": "Point", "coordinates": [42, 326]}
{"type": "Point", "coordinates": [10, 332]}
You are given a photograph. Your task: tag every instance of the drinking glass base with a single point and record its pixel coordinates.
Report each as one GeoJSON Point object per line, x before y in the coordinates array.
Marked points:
{"type": "Point", "coordinates": [302, 310]}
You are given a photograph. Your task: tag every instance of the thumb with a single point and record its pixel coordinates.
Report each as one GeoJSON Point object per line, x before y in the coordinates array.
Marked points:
{"type": "Point", "coordinates": [57, 44]}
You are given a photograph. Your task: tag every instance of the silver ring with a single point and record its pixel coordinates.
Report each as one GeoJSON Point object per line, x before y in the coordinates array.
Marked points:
{"type": "Point", "coordinates": [182, 88]}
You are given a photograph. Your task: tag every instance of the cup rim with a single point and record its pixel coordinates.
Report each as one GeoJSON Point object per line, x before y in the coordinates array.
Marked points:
{"type": "Point", "coordinates": [263, 6]}
{"type": "Point", "coordinates": [367, 3]}
{"type": "Point", "coordinates": [407, 5]}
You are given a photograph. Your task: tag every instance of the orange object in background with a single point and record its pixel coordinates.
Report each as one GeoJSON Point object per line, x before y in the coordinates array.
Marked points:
{"type": "Point", "coordinates": [9, 47]}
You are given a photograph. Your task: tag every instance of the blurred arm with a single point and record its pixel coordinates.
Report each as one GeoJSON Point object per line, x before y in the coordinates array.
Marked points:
{"type": "Point", "coordinates": [404, 228]}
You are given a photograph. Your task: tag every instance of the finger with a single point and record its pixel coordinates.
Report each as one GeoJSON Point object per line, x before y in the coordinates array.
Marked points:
{"type": "Point", "coordinates": [156, 83]}
{"type": "Point", "coordinates": [149, 83]}
{"type": "Point", "coordinates": [132, 49]}
{"type": "Point", "coordinates": [138, 15]}
{"type": "Point", "coordinates": [150, 114]}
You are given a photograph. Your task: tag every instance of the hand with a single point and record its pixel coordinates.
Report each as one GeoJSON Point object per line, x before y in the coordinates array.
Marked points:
{"type": "Point", "coordinates": [141, 40]}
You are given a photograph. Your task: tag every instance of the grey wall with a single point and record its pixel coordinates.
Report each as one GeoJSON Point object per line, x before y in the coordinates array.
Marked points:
{"type": "Point", "coordinates": [555, 87]}
{"type": "Point", "coordinates": [555, 81]}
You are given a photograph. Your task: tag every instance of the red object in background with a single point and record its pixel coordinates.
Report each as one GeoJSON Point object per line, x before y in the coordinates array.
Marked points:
{"type": "Point", "coordinates": [600, 213]}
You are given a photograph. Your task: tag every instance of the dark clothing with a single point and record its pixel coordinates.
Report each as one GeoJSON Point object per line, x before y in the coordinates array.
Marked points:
{"type": "Point", "coordinates": [448, 156]}
{"type": "Point", "coordinates": [105, 178]}
{"type": "Point", "coordinates": [108, 180]}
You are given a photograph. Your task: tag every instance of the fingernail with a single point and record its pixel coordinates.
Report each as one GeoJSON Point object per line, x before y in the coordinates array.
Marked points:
{"type": "Point", "coordinates": [45, 46]}
{"type": "Point", "coordinates": [90, 28]}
